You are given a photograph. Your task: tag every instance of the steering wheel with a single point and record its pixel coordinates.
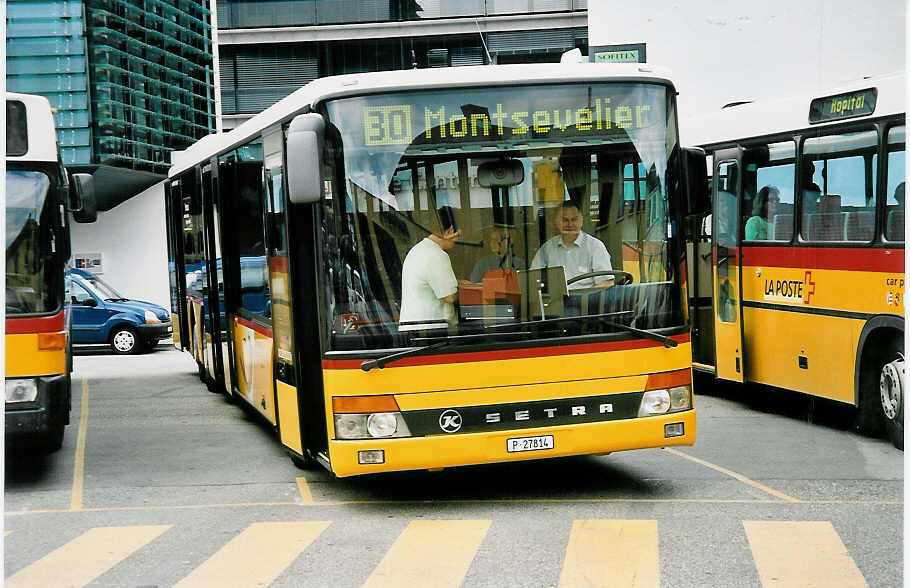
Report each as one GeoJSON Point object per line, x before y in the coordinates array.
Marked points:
{"type": "Point", "coordinates": [622, 278]}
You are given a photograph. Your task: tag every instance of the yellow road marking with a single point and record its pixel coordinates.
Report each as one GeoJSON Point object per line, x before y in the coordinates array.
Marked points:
{"type": "Point", "coordinates": [7, 533]}
{"type": "Point", "coordinates": [165, 507]}
{"type": "Point", "coordinates": [79, 467]}
{"type": "Point", "coordinates": [306, 497]}
{"type": "Point", "coordinates": [86, 557]}
{"type": "Point", "coordinates": [801, 554]}
{"type": "Point", "coordinates": [430, 553]}
{"type": "Point", "coordinates": [733, 474]}
{"type": "Point", "coordinates": [612, 553]}
{"type": "Point", "coordinates": [256, 556]}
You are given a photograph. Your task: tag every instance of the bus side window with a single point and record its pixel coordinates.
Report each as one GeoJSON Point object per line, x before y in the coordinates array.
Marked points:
{"type": "Point", "coordinates": [894, 205]}
{"type": "Point", "coordinates": [768, 214]}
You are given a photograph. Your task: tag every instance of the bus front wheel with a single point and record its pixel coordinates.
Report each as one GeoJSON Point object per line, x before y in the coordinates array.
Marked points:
{"type": "Point", "coordinates": [891, 394]}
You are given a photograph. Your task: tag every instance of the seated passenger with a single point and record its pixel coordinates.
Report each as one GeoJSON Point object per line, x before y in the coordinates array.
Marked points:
{"type": "Point", "coordinates": [899, 196]}
{"type": "Point", "coordinates": [500, 243]}
{"type": "Point", "coordinates": [763, 206]}
{"type": "Point", "coordinates": [576, 251]}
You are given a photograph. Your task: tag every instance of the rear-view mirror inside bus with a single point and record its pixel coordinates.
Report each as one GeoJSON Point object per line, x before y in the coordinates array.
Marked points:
{"type": "Point", "coordinates": [500, 173]}
{"type": "Point", "coordinates": [304, 151]}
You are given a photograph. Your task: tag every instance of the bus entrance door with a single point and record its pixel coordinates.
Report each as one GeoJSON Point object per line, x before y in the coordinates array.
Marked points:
{"type": "Point", "coordinates": [728, 323]}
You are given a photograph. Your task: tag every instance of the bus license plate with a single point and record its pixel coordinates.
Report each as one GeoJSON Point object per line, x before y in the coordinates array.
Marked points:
{"type": "Point", "coordinates": [517, 444]}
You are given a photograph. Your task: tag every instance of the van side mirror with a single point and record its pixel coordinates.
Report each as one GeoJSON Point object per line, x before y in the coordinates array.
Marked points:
{"type": "Point", "coordinates": [306, 136]}
{"type": "Point", "coordinates": [82, 198]}
{"type": "Point", "coordinates": [695, 179]}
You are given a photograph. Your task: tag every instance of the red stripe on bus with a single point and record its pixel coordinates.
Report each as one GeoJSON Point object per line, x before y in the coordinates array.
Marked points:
{"type": "Point", "coordinates": [41, 324]}
{"type": "Point", "coordinates": [256, 327]}
{"type": "Point", "coordinates": [342, 364]}
{"type": "Point", "coordinates": [865, 259]}
{"type": "Point", "coordinates": [279, 264]}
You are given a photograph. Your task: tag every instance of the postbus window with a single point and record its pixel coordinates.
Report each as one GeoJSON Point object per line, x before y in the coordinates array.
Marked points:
{"type": "Point", "coordinates": [767, 207]}
{"type": "Point", "coordinates": [248, 230]}
{"type": "Point", "coordinates": [894, 206]}
{"type": "Point", "coordinates": [838, 187]}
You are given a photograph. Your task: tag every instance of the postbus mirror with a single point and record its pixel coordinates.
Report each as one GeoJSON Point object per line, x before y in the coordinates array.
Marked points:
{"type": "Point", "coordinates": [696, 181]}
{"type": "Point", "coordinates": [501, 173]}
{"type": "Point", "coordinates": [305, 139]}
{"type": "Point", "coordinates": [83, 203]}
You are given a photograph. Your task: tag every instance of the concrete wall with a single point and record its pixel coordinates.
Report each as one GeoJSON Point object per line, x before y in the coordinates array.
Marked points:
{"type": "Point", "coordinates": [132, 241]}
{"type": "Point", "coordinates": [722, 51]}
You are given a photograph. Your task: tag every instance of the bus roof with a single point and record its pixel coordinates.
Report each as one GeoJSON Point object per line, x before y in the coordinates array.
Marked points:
{"type": "Point", "coordinates": [331, 87]}
{"type": "Point", "coordinates": [41, 132]}
{"type": "Point", "coordinates": [786, 115]}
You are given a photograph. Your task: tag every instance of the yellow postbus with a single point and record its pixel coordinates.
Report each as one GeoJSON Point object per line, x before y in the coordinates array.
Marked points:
{"type": "Point", "coordinates": [799, 275]}
{"type": "Point", "coordinates": [39, 194]}
{"type": "Point", "coordinates": [290, 235]}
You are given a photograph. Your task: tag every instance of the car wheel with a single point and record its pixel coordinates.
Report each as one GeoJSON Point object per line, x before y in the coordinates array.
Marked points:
{"type": "Point", "coordinates": [124, 341]}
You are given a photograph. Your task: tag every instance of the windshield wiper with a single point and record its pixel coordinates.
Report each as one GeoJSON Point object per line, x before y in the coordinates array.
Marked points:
{"type": "Point", "coordinates": [601, 318]}
{"type": "Point", "coordinates": [434, 343]}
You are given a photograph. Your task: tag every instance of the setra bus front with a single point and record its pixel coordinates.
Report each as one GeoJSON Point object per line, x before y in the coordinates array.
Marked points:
{"type": "Point", "coordinates": [38, 364]}
{"type": "Point", "coordinates": [499, 271]}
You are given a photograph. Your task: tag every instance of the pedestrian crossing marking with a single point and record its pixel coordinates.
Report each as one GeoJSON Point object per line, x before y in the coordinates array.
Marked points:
{"type": "Point", "coordinates": [430, 554]}
{"type": "Point", "coordinates": [257, 555]}
{"type": "Point", "coordinates": [612, 553]}
{"type": "Point", "coordinates": [86, 557]}
{"type": "Point", "coordinates": [801, 554]}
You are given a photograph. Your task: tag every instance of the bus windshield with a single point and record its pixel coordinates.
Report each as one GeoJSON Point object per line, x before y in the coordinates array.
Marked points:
{"type": "Point", "coordinates": [556, 195]}
{"type": "Point", "coordinates": [29, 244]}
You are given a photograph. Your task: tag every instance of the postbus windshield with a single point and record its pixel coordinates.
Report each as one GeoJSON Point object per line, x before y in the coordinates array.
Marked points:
{"type": "Point", "coordinates": [558, 197]}
{"type": "Point", "coordinates": [30, 284]}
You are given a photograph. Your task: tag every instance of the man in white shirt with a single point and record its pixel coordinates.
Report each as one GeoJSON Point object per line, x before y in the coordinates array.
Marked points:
{"type": "Point", "coordinates": [428, 283]}
{"type": "Point", "coordinates": [576, 251]}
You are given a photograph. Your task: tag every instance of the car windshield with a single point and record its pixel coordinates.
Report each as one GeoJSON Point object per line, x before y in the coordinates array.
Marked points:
{"type": "Point", "coordinates": [30, 283]}
{"type": "Point", "coordinates": [556, 198]}
{"type": "Point", "coordinates": [103, 289]}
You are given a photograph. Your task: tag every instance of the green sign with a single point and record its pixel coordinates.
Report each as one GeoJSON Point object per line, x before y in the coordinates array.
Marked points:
{"type": "Point", "coordinates": [841, 106]}
{"type": "Point", "coordinates": [630, 56]}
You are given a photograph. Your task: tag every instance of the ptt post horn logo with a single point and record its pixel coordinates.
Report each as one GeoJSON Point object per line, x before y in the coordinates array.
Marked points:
{"type": "Point", "coordinates": [450, 421]}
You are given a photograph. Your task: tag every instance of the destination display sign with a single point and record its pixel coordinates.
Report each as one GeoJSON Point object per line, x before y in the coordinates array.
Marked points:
{"type": "Point", "coordinates": [841, 106]}
{"type": "Point", "coordinates": [501, 117]}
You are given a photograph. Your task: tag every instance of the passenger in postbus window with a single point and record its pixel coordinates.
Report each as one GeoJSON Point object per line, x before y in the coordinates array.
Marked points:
{"type": "Point", "coordinates": [899, 196]}
{"type": "Point", "coordinates": [763, 207]}
{"type": "Point", "coordinates": [573, 249]}
{"type": "Point", "coordinates": [499, 240]}
{"type": "Point", "coordinates": [428, 283]}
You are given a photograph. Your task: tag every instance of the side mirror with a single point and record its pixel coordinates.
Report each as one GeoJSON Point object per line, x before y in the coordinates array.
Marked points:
{"type": "Point", "coordinates": [695, 180]}
{"type": "Point", "coordinates": [306, 136]}
{"type": "Point", "coordinates": [89, 302]}
{"type": "Point", "coordinates": [501, 173]}
{"type": "Point", "coordinates": [82, 201]}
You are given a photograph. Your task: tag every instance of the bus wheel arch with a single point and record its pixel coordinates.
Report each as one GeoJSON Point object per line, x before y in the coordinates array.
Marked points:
{"type": "Point", "coordinates": [878, 396]}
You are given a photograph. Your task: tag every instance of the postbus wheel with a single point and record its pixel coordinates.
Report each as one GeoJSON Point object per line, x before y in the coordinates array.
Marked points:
{"type": "Point", "coordinates": [305, 462]}
{"type": "Point", "coordinates": [52, 440]}
{"type": "Point", "coordinates": [891, 396]}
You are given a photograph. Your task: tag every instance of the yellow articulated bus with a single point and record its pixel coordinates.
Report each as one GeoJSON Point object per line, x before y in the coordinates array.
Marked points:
{"type": "Point", "coordinates": [799, 276]}
{"type": "Point", "coordinates": [39, 194]}
{"type": "Point", "coordinates": [365, 264]}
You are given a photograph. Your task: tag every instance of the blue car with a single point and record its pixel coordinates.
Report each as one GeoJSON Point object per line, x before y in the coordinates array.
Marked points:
{"type": "Point", "coordinates": [102, 315]}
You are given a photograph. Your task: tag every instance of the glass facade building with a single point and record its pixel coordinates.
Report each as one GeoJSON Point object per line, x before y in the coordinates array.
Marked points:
{"type": "Point", "coordinates": [269, 48]}
{"type": "Point", "coordinates": [132, 80]}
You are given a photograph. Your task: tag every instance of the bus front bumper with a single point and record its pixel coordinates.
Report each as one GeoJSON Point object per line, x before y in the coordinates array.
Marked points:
{"type": "Point", "coordinates": [441, 451]}
{"type": "Point", "coordinates": [50, 405]}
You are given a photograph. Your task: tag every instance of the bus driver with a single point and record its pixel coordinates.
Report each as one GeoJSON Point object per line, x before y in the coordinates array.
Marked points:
{"type": "Point", "coordinates": [576, 251]}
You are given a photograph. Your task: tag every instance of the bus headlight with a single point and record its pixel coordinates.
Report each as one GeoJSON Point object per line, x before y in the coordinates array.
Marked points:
{"type": "Point", "coordinates": [150, 318]}
{"type": "Point", "coordinates": [21, 390]}
{"type": "Point", "coordinates": [665, 401]}
{"type": "Point", "coordinates": [375, 425]}
{"type": "Point", "coordinates": [654, 402]}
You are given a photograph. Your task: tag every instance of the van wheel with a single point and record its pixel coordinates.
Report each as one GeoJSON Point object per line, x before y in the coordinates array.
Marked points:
{"type": "Point", "coordinates": [124, 341]}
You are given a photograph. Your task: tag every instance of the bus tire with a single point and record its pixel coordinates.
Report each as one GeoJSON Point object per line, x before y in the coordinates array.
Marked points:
{"type": "Point", "coordinates": [125, 341]}
{"type": "Point", "coordinates": [52, 439]}
{"type": "Point", "coordinates": [891, 394]}
{"type": "Point", "coordinates": [305, 462]}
